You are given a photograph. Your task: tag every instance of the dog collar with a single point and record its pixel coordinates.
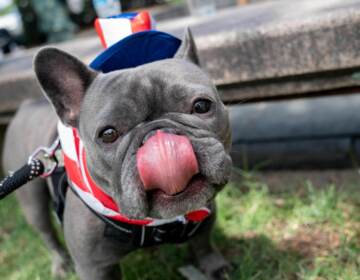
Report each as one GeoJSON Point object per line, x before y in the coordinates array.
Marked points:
{"type": "Point", "coordinates": [93, 195]}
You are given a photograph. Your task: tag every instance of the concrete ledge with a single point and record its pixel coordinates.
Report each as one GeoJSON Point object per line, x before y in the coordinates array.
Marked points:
{"type": "Point", "coordinates": [276, 39]}
{"type": "Point", "coordinates": [276, 48]}
{"type": "Point", "coordinates": [281, 47]}
{"type": "Point", "coordinates": [323, 83]}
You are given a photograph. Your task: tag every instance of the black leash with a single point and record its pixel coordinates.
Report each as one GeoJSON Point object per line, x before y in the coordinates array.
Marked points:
{"type": "Point", "coordinates": [41, 163]}
{"type": "Point", "coordinates": [20, 177]}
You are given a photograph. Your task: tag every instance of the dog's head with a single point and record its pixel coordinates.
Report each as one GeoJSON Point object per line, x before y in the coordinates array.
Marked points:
{"type": "Point", "coordinates": [157, 136]}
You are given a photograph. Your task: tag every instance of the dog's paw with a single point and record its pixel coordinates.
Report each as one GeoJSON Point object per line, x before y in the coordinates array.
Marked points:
{"type": "Point", "coordinates": [61, 266]}
{"type": "Point", "coordinates": [223, 273]}
{"type": "Point", "coordinates": [215, 266]}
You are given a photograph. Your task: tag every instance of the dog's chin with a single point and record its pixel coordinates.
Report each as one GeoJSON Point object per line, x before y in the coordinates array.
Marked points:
{"type": "Point", "coordinates": [198, 193]}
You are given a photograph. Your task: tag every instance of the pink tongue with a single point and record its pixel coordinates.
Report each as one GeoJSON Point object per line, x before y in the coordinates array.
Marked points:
{"type": "Point", "coordinates": [167, 162]}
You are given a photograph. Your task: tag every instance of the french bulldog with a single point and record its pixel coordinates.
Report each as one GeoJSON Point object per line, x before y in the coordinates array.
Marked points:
{"type": "Point", "coordinates": [117, 114]}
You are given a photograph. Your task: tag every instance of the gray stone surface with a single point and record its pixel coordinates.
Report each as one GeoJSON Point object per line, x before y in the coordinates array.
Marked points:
{"type": "Point", "coordinates": [279, 47]}
{"type": "Point", "coordinates": [256, 51]}
{"type": "Point", "coordinates": [277, 39]}
{"type": "Point", "coordinates": [323, 83]}
{"type": "Point", "coordinates": [320, 132]}
{"type": "Point", "coordinates": [299, 154]}
{"type": "Point", "coordinates": [299, 118]}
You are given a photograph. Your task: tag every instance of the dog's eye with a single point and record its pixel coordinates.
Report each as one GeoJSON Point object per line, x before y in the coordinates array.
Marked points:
{"type": "Point", "coordinates": [201, 106]}
{"type": "Point", "coordinates": [109, 135]}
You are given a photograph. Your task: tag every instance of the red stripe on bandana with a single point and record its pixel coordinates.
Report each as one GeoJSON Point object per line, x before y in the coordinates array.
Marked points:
{"type": "Point", "coordinates": [105, 199]}
{"type": "Point", "coordinates": [73, 173]}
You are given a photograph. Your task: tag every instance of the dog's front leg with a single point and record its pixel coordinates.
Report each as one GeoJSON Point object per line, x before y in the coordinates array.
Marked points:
{"type": "Point", "coordinates": [95, 256]}
{"type": "Point", "coordinates": [209, 259]}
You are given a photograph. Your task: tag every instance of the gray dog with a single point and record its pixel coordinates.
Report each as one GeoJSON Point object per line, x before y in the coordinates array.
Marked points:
{"type": "Point", "coordinates": [117, 114]}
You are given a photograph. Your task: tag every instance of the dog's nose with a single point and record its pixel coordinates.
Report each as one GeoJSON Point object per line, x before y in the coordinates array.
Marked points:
{"type": "Point", "coordinates": [167, 162]}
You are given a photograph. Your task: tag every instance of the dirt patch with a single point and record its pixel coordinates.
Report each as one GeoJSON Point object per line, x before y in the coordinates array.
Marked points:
{"type": "Point", "coordinates": [312, 242]}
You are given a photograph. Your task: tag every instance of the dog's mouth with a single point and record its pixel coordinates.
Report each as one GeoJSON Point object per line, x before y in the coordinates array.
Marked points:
{"type": "Point", "coordinates": [195, 185]}
{"type": "Point", "coordinates": [168, 168]}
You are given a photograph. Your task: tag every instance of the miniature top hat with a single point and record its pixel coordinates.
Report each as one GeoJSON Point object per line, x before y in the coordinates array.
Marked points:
{"type": "Point", "coordinates": [137, 44]}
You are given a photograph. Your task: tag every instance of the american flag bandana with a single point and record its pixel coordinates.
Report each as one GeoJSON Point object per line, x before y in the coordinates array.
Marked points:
{"type": "Point", "coordinates": [93, 195]}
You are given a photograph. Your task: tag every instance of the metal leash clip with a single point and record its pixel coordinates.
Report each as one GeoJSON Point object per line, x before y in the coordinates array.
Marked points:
{"type": "Point", "coordinates": [47, 156]}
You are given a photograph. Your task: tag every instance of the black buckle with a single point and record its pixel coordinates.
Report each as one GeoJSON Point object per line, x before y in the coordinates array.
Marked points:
{"type": "Point", "coordinates": [169, 233]}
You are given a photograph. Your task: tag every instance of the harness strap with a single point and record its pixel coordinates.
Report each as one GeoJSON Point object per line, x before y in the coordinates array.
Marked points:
{"type": "Point", "coordinates": [59, 188]}
{"type": "Point", "coordinates": [145, 236]}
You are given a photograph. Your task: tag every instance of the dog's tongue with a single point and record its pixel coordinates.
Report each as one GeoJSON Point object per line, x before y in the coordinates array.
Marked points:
{"type": "Point", "coordinates": [166, 162]}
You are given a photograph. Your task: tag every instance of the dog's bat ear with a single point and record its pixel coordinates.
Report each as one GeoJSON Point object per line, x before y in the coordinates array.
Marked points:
{"type": "Point", "coordinates": [65, 80]}
{"type": "Point", "coordinates": [187, 48]}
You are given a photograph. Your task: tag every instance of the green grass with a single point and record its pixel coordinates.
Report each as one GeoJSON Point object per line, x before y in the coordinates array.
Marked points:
{"type": "Point", "coordinates": [309, 233]}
